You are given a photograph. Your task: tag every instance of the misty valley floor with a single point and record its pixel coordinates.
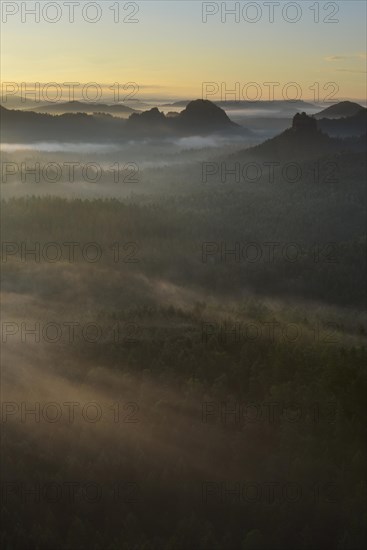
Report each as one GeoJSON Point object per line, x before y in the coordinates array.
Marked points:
{"type": "Point", "coordinates": [228, 393]}
{"type": "Point", "coordinates": [183, 275]}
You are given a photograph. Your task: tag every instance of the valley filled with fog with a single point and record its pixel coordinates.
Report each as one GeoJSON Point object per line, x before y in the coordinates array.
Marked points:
{"type": "Point", "coordinates": [195, 297]}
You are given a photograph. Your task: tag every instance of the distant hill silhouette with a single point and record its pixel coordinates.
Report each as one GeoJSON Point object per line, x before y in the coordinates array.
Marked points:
{"type": "Point", "coordinates": [27, 103]}
{"type": "Point", "coordinates": [28, 126]}
{"type": "Point", "coordinates": [199, 118]}
{"type": "Point", "coordinates": [19, 102]}
{"type": "Point", "coordinates": [355, 125]}
{"type": "Point", "coordinates": [339, 110]}
{"type": "Point", "coordinates": [289, 105]}
{"type": "Point", "coordinates": [83, 107]}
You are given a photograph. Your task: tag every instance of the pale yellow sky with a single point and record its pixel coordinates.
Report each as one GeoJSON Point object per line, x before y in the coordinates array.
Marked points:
{"type": "Point", "coordinates": [170, 52]}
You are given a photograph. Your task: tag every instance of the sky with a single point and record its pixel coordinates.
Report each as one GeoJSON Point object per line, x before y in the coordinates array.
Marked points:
{"type": "Point", "coordinates": [170, 52]}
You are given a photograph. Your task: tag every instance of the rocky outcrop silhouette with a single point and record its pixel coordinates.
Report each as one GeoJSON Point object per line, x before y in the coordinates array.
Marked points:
{"type": "Point", "coordinates": [304, 140]}
{"type": "Point", "coordinates": [153, 116]}
{"type": "Point", "coordinates": [201, 117]}
{"type": "Point", "coordinates": [202, 113]}
{"type": "Point", "coordinates": [304, 124]}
